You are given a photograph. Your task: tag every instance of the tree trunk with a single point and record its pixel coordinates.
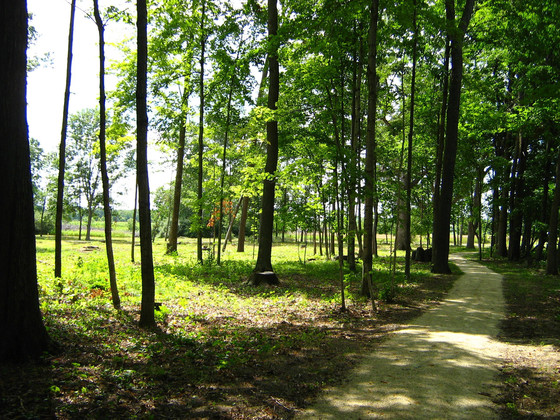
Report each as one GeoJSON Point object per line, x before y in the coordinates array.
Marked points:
{"type": "Point", "coordinates": [440, 244]}
{"type": "Point", "coordinates": [22, 333]}
{"type": "Point", "coordinates": [552, 250]}
{"type": "Point", "coordinates": [232, 220]}
{"type": "Point", "coordinates": [370, 190]}
{"type": "Point", "coordinates": [410, 138]}
{"type": "Point", "coordinates": [62, 151]}
{"type": "Point", "coordinates": [517, 194]}
{"type": "Point", "coordinates": [441, 141]}
{"type": "Point", "coordinates": [243, 225]}
{"type": "Point", "coordinates": [201, 136]}
{"type": "Point", "coordinates": [264, 263]}
{"type": "Point", "coordinates": [174, 227]}
{"type": "Point", "coordinates": [133, 240]}
{"type": "Point", "coordinates": [103, 161]}
{"type": "Point", "coordinates": [147, 318]}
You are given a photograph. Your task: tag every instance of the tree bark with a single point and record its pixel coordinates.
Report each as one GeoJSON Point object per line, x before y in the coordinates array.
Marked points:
{"type": "Point", "coordinates": [62, 151]}
{"type": "Point", "coordinates": [552, 250]}
{"type": "Point", "coordinates": [370, 187]}
{"type": "Point", "coordinates": [103, 161]}
{"type": "Point", "coordinates": [410, 142]}
{"type": "Point", "coordinates": [264, 263]}
{"type": "Point", "coordinates": [174, 226]}
{"type": "Point", "coordinates": [200, 222]}
{"type": "Point", "coordinates": [147, 317]}
{"type": "Point", "coordinates": [22, 333]}
{"type": "Point", "coordinates": [440, 244]}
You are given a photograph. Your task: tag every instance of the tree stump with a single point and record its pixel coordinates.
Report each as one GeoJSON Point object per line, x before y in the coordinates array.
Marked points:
{"type": "Point", "coordinates": [263, 277]}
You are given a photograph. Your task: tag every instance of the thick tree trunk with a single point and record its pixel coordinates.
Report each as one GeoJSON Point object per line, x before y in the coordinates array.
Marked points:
{"type": "Point", "coordinates": [370, 191]}
{"type": "Point", "coordinates": [103, 161]}
{"type": "Point", "coordinates": [441, 142]}
{"type": "Point", "coordinates": [264, 263]}
{"type": "Point", "coordinates": [440, 244]}
{"type": "Point", "coordinates": [147, 317]}
{"type": "Point", "coordinates": [62, 151]}
{"type": "Point", "coordinates": [552, 250]}
{"type": "Point", "coordinates": [22, 333]}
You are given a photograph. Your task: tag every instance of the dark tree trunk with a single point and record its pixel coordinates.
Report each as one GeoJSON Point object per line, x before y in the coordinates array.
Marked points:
{"type": "Point", "coordinates": [22, 333]}
{"type": "Point", "coordinates": [440, 244]}
{"type": "Point", "coordinates": [370, 190]}
{"type": "Point", "coordinates": [103, 161]}
{"type": "Point", "coordinates": [516, 199]}
{"type": "Point", "coordinates": [201, 136]}
{"type": "Point", "coordinates": [410, 138]}
{"type": "Point", "coordinates": [147, 318]}
{"type": "Point", "coordinates": [264, 263]}
{"type": "Point", "coordinates": [441, 141]}
{"type": "Point", "coordinates": [544, 217]}
{"type": "Point", "coordinates": [62, 151]}
{"type": "Point", "coordinates": [174, 226]}
{"type": "Point", "coordinates": [552, 250]}
{"type": "Point", "coordinates": [243, 225]}
{"type": "Point", "coordinates": [134, 222]}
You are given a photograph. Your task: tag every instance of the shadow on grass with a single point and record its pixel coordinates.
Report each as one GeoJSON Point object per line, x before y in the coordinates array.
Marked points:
{"type": "Point", "coordinates": [109, 368]}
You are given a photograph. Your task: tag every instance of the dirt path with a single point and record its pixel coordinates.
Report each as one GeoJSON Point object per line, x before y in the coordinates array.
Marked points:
{"type": "Point", "coordinates": [443, 365]}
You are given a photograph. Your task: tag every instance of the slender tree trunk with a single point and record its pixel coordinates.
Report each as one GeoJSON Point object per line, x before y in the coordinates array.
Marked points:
{"type": "Point", "coordinates": [147, 317]}
{"type": "Point", "coordinates": [224, 162]}
{"type": "Point", "coordinates": [243, 225]}
{"type": "Point", "coordinates": [22, 333]}
{"type": "Point", "coordinates": [133, 241]}
{"type": "Point", "coordinates": [544, 205]}
{"type": "Point", "coordinates": [264, 263]}
{"type": "Point", "coordinates": [62, 151]}
{"type": "Point", "coordinates": [201, 135]}
{"type": "Point", "coordinates": [89, 220]}
{"type": "Point", "coordinates": [410, 138]}
{"type": "Point", "coordinates": [552, 250]}
{"type": "Point", "coordinates": [440, 244]}
{"type": "Point", "coordinates": [370, 187]}
{"type": "Point", "coordinates": [174, 226]}
{"type": "Point", "coordinates": [232, 220]}
{"type": "Point", "coordinates": [103, 161]}
{"type": "Point", "coordinates": [517, 195]}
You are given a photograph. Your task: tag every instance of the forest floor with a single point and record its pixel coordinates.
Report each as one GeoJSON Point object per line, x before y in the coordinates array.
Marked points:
{"type": "Point", "coordinates": [226, 350]}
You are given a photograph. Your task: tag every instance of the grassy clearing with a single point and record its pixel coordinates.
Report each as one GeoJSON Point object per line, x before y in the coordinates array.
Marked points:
{"type": "Point", "coordinates": [530, 387]}
{"type": "Point", "coordinates": [224, 349]}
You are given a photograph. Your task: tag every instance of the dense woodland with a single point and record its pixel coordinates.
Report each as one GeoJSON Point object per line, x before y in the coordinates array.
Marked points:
{"type": "Point", "coordinates": [336, 121]}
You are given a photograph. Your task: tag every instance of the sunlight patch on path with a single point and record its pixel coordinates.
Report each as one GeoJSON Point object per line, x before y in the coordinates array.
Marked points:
{"type": "Point", "coordinates": [441, 366]}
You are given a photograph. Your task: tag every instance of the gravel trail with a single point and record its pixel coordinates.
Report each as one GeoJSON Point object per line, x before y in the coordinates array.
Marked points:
{"type": "Point", "coordinates": [443, 365]}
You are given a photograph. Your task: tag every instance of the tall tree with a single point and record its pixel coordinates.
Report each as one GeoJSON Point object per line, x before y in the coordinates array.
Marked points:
{"type": "Point", "coordinates": [264, 258]}
{"type": "Point", "coordinates": [552, 250]}
{"type": "Point", "coordinates": [62, 150]}
{"type": "Point", "coordinates": [103, 159]}
{"type": "Point", "coordinates": [369, 186]}
{"type": "Point", "coordinates": [22, 333]}
{"type": "Point", "coordinates": [456, 35]}
{"type": "Point", "coordinates": [410, 138]}
{"type": "Point", "coordinates": [147, 317]}
{"type": "Point", "coordinates": [200, 223]}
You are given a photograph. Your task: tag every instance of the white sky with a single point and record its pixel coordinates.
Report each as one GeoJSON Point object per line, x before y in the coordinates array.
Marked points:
{"type": "Point", "coordinates": [45, 85]}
